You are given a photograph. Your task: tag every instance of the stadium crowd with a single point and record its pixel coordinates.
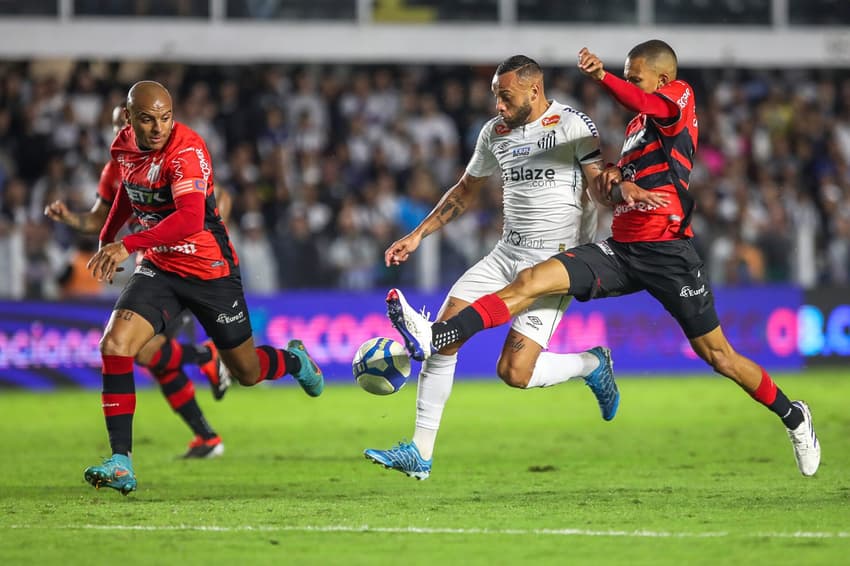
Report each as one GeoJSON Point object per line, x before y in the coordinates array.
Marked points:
{"type": "Point", "coordinates": [329, 164]}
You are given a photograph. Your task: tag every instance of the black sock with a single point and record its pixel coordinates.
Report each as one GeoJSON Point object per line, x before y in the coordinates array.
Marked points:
{"type": "Point", "coordinates": [459, 327]}
{"type": "Point", "coordinates": [293, 362]}
{"type": "Point", "coordinates": [791, 415]}
{"type": "Point", "coordinates": [193, 417]}
{"type": "Point", "coordinates": [195, 354]}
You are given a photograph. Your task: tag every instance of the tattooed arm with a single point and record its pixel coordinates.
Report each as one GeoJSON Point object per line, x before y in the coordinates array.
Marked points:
{"type": "Point", "coordinates": [455, 202]}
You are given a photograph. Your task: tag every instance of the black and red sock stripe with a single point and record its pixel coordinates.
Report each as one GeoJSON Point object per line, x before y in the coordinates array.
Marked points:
{"type": "Point", "coordinates": [167, 358]}
{"type": "Point", "coordinates": [119, 402]}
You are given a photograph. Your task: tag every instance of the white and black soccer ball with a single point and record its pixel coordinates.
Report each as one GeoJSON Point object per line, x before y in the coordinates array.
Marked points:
{"type": "Point", "coordinates": [381, 366]}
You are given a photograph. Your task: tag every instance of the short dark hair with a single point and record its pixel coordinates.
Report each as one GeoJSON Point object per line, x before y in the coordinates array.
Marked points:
{"type": "Point", "coordinates": [525, 66]}
{"type": "Point", "coordinates": [652, 50]}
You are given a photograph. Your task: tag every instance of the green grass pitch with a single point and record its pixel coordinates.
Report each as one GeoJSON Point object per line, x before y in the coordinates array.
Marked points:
{"type": "Point", "coordinates": [691, 471]}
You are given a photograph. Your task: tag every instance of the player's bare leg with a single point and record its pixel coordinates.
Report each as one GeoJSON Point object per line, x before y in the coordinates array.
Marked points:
{"type": "Point", "coordinates": [434, 386]}
{"type": "Point", "coordinates": [714, 348]}
{"type": "Point", "coordinates": [548, 277]}
{"type": "Point", "coordinates": [250, 365]}
{"type": "Point", "coordinates": [523, 364]}
{"type": "Point", "coordinates": [125, 334]}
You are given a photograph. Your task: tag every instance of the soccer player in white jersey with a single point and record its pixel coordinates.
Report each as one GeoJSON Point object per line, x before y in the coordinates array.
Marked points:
{"type": "Point", "coordinates": [547, 152]}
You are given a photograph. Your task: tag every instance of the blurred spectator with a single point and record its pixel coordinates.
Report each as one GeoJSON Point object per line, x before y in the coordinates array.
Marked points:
{"type": "Point", "coordinates": [257, 261]}
{"type": "Point", "coordinates": [321, 160]}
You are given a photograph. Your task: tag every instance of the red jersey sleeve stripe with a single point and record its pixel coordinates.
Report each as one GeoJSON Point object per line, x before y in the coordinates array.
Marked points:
{"type": "Point", "coordinates": [681, 158]}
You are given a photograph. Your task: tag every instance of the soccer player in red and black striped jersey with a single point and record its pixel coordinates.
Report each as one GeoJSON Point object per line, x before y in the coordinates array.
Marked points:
{"type": "Point", "coordinates": [650, 249]}
{"type": "Point", "coordinates": [163, 355]}
{"type": "Point", "coordinates": [168, 184]}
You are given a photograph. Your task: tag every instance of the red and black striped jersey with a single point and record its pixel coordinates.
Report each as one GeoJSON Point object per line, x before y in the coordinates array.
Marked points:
{"type": "Point", "coordinates": [658, 155]}
{"type": "Point", "coordinates": [153, 179]}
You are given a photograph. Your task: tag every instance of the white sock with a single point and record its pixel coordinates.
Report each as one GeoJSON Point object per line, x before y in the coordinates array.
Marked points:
{"type": "Point", "coordinates": [435, 385]}
{"type": "Point", "coordinates": [552, 369]}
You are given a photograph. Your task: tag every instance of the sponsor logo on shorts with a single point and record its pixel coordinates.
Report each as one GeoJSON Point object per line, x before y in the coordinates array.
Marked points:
{"type": "Point", "coordinates": [516, 239]}
{"type": "Point", "coordinates": [230, 319]}
{"type": "Point", "coordinates": [146, 271]}
{"type": "Point", "coordinates": [606, 249]}
{"type": "Point", "coordinates": [687, 292]}
{"type": "Point", "coordinates": [534, 322]}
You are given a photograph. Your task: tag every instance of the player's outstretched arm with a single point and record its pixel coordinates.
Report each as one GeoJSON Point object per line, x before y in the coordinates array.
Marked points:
{"type": "Point", "coordinates": [454, 202]}
{"type": "Point", "coordinates": [87, 222]}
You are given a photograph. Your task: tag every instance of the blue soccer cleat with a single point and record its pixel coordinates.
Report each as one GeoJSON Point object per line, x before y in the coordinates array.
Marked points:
{"type": "Point", "coordinates": [309, 376]}
{"type": "Point", "coordinates": [414, 327]}
{"type": "Point", "coordinates": [115, 472]}
{"type": "Point", "coordinates": [405, 458]}
{"type": "Point", "coordinates": [601, 382]}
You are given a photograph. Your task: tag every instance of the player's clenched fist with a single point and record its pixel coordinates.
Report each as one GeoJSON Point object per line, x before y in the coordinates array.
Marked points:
{"type": "Point", "coordinates": [56, 210]}
{"type": "Point", "coordinates": [590, 64]}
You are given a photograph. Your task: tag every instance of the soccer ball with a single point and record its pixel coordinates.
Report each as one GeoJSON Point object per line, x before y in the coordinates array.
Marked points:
{"type": "Point", "coordinates": [381, 366]}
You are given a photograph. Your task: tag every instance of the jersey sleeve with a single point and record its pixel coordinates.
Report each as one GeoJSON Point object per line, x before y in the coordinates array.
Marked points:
{"type": "Point", "coordinates": [483, 163]}
{"type": "Point", "coordinates": [582, 130]}
{"type": "Point", "coordinates": [679, 93]}
{"type": "Point", "coordinates": [110, 181]}
{"type": "Point", "coordinates": [190, 170]}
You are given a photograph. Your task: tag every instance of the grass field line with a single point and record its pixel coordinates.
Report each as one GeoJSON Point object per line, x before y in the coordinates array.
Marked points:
{"type": "Point", "coordinates": [443, 531]}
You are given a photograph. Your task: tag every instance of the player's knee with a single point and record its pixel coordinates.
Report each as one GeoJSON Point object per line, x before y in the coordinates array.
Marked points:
{"type": "Point", "coordinates": [111, 345]}
{"type": "Point", "coordinates": [514, 375]}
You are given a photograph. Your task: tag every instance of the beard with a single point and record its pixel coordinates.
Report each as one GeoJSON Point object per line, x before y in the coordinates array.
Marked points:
{"type": "Point", "coordinates": [520, 117]}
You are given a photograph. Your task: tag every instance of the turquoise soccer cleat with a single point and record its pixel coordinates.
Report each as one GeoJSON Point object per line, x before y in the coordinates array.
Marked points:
{"type": "Point", "coordinates": [601, 382]}
{"type": "Point", "coordinates": [404, 458]}
{"type": "Point", "coordinates": [309, 376]}
{"type": "Point", "coordinates": [115, 472]}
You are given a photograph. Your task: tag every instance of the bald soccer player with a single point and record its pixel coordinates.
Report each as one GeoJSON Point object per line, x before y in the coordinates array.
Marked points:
{"type": "Point", "coordinates": [189, 263]}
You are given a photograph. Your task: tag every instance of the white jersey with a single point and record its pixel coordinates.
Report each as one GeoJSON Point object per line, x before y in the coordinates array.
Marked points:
{"type": "Point", "coordinates": [542, 179]}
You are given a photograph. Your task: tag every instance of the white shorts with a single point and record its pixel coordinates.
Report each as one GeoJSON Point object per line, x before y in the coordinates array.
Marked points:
{"type": "Point", "coordinates": [500, 267]}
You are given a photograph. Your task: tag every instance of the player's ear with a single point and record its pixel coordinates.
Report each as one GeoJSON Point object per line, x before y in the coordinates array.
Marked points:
{"type": "Point", "coordinates": [663, 79]}
{"type": "Point", "coordinates": [535, 90]}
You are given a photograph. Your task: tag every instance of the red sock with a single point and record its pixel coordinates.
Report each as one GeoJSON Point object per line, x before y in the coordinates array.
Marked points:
{"type": "Point", "coordinates": [272, 363]}
{"type": "Point", "coordinates": [766, 392]}
{"type": "Point", "coordinates": [492, 310]}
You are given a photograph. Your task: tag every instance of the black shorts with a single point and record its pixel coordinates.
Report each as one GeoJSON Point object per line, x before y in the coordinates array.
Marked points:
{"type": "Point", "coordinates": [218, 304]}
{"type": "Point", "coordinates": [670, 271]}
